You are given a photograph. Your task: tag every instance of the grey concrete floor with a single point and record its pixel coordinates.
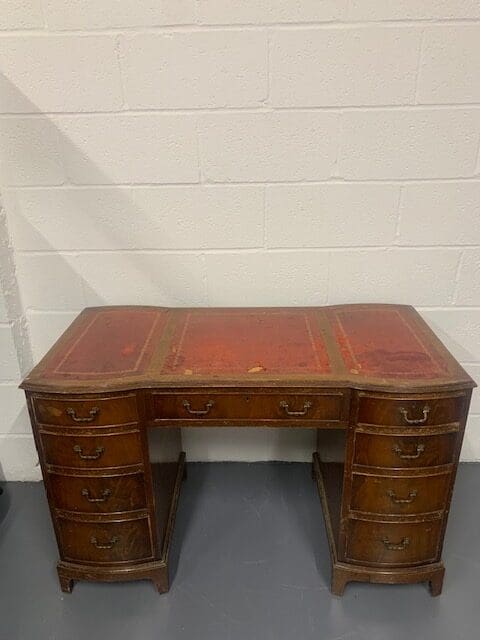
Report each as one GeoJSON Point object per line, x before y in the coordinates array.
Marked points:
{"type": "Point", "coordinates": [250, 561]}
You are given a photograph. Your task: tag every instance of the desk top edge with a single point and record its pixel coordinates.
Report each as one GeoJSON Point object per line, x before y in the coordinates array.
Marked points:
{"type": "Point", "coordinates": [336, 349]}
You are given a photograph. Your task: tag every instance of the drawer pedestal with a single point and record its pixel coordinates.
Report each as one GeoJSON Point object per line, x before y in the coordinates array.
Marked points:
{"type": "Point", "coordinates": [386, 505]}
{"type": "Point", "coordinates": [156, 570]}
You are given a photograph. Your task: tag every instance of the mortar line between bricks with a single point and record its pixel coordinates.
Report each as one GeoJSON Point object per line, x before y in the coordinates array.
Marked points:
{"type": "Point", "coordinates": [477, 159]}
{"type": "Point", "coordinates": [336, 161]}
{"type": "Point", "coordinates": [171, 111]}
{"type": "Point", "coordinates": [255, 249]}
{"type": "Point", "coordinates": [419, 63]}
{"type": "Point", "coordinates": [194, 27]}
{"type": "Point", "coordinates": [162, 185]}
{"type": "Point", "coordinates": [398, 220]}
{"type": "Point", "coordinates": [118, 57]}
{"type": "Point", "coordinates": [456, 280]}
{"type": "Point", "coordinates": [201, 173]}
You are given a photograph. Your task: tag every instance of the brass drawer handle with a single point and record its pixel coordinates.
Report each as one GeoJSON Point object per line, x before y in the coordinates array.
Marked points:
{"type": "Point", "coordinates": [198, 412]}
{"type": "Point", "coordinates": [85, 456]}
{"type": "Point", "coordinates": [420, 448]}
{"type": "Point", "coordinates": [404, 412]}
{"type": "Point", "coordinates": [401, 546]}
{"type": "Point", "coordinates": [93, 413]}
{"type": "Point", "coordinates": [393, 496]}
{"type": "Point", "coordinates": [106, 493]}
{"type": "Point", "coordinates": [306, 406]}
{"type": "Point", "coordinates": [104, 545]}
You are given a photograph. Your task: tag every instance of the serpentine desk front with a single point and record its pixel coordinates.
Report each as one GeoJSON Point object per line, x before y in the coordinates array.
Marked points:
{"type": "Point", "coordinates": [375, 372]}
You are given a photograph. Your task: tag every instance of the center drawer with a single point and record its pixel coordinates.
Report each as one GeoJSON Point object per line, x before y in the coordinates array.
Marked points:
{"type": "Point", "coordinates": [248, 407]}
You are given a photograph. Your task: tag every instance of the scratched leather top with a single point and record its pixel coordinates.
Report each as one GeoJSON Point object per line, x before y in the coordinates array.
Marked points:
{"type": "Point", "coordinates": [380, 346]}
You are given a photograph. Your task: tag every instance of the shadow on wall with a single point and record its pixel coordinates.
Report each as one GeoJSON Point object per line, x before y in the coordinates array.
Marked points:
{"type": "Point", "coordinates": [161, 286]}
{"type": "Point", "coordinates": [17, 449]}
{"type": "Point", "coordinates": [136, 278]}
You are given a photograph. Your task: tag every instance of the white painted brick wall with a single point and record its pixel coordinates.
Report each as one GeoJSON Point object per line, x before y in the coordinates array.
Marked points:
{"type": "Point", "coordinates": [450, 65]}
{"type": "Point", "coordinates": [468, 289]}
{"type": "Point", "coordinates": [30, 152]}
{"type": "Point", "coordinates": [169, 279]}
{"type": "Point", "coordinates": [178, 217]}
{"type": "Point", "coordinates": [190, 70]}
{"type": "Point", "coordinates": [21, 14]}
{"type": "Point", "coordinates": [413, 10]}
{"type": "Point", "coordinates": [344, 66]}
{"type": "Point", "coordinates": [409, 276]}
{"type": "Point", "coordinates": [112, 14]}
{"type": "Point", "coordinates": [260, 278]}
{"type": "Point", "coordinates": [207, 152]}
{"type": "Point", "coordinates": [396, 144]}
{"type": "Point", "coordinates": [456, 209]}
{"type": "Point", "coordinates": [60, 73]}
{"type": "Point", "coordinates": [45, 327]}
{"type": "Point", "coordinates": [273, 146]}
{"type": "Point", "coordinates": [50, 281]}
{"type": "Point", "coordinates": [141, 148]}
{"type": "Point", "coordinates": [269, 11]}
{"type": "Point", "coordinates": [307, 215]}
{"type": "Point", "coordinates": [8, 358]}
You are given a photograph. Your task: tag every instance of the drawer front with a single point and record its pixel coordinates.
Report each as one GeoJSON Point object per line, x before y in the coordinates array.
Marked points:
{"type": "Point", "coordinates": [412, 412]}
{"type": "Point", "coordinates": [95, 494]}
{"type": "Point", "coordinates": [74, 412]}
{"type": "Point", "coordinates": [92, 452]}
{"type": "Point", "coordinates": [399, 495]}
{"type": "Point", "coordinates": [398, 451]}
{"type": "Point", "coordinates": [245, 406]}
{"type": "Point", "coordinates": [393, 544]}
{"type": "Point", "coordinates": [105, 542]}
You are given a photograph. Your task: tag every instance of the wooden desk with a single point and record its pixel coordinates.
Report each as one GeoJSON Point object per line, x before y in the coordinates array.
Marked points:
{"type": "Point", "coordinates": [375, 372]}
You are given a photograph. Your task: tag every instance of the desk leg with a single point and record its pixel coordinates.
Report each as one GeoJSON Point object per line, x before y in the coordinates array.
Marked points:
{"type": "Point", "coordinates": [436, 582]}
{"type": "Point", "coordinates": [66, 582]}
{"type": "Point", "coordinates": [340, 577]}
{"type": "Point", "coordinates": [160, 580]}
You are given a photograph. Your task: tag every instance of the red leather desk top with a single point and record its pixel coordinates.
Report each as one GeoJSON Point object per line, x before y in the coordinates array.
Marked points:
{"type": "Point", "coordinates": [350, 345]}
